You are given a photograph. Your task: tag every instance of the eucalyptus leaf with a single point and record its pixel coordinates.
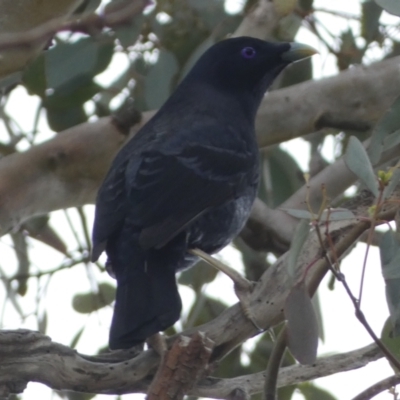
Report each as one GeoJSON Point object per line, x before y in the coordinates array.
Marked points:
{"type": "Point", "coordinates": [198, 275]}
{"type": "Point", "coordinates": [303, 214]}
{"type": "Point", "coordinates": [388, 124]}
{"type": "Point", "coordinates": [391, 6]}
{"type": "Point", "coordinates": [370, 15]}
{"type": "Point", "coordinates": [313, 392]}
{"type": "Point", "coordinates": [357, 161]}
{"type": "Point", "coordinates": [61, 119]}
{"type": "Point", "coordinates": [34, 77]}
{"type": "Point", "coordinates": [389, 248]}
{"type": "Point", "coordinates": [282, 173]}
{"type": "Point", "coordinates": [68, 61]}
{"type": "Point", "coordinates": [128, 33]}
{"type": "Point", "coordinates": [302, 325]}
{"type": "Point", "coordinates": [391, 341]}
{"type": "Point", "coordinates": [299, 238]}
{"type": "Point", "coordinates": [10, 80]}
{"type": "Point", "coordinates": [394, 181]}
{"type": "Point", "coordinates": [159, 80]}
{"type": "Point", "coordinates": [86, 303]}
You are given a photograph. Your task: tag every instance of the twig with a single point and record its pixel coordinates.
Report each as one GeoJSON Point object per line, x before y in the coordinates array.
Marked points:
{"type": "Point", "coordinates": [359, 314]}
{"type": "Point", "coordinates": [384, 384]}
{"type": "Point", "coordinates": [274, 363]}
{"type": "Point", "coordinates": [90, 24]}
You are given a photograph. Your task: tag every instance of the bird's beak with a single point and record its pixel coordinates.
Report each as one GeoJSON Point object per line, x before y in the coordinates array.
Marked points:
{"type": "Point", "coordinates": [297, 52]}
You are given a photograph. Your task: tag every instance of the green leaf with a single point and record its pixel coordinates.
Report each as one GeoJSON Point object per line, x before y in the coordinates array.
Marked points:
{"type": "Point", "coordinates": [357, 161]}
{"type": "Point", "coordinates": [77, 337]}
{"type": "Point", "coordinates": [34, 77]}
{"type": "Point", "coordinates": [387, 125]}
{"type": "Point", "coordinates": [312, 392]}
{"type": "Point", "coordinates": [211, 12]}
{"type": "Point", "coordinates": [89, 302]}
{"type": "Point", "coordinates": [87, 7]}
{"type": "Point", "coordinates": [63, 99]}
{"type": "Point", "coordinates": [11, 80]}
{"type": "Point", "coordinates": [68, 63]}
{"type": "Point", "coordinates": [389, 248]}
{"type": "Point", "coordinates": [302, 325]}
{"type": "Point", "coordinates": [391, 6]}
{"type": "Point", "coordinates": [283, 175]}
{"type": "Point", "coordinates": [159, 80]}
{"type": "Point", "coordinates": [370, 15]}
{"type": "Point", "coordinates": [198, 275]}
{"type": "Point", "coordinates": [128, 33]}
{"type": "Point", "coordinates": [211, 309]}
{"type": "Point", "coordinates": [299, 238]}
{"type": "Point", "coordinates": [303, 214]}
{"type": "Point", "coordinates": [349, 52]}
{"type": "Point", "coordinates": [61, 119]}
{"type": "Point", "coordinates": [390, 341]}
{"type": "Point", "coordinates": [306, 5]}
{"type": "Point", "coordinates": [394, 181]}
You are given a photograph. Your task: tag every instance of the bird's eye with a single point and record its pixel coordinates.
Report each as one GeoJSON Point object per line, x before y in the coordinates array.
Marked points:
{"type": "Point", "coordinates": [248, 52]}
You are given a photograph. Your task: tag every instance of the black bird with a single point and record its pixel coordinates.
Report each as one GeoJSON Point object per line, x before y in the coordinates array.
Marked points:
{"type": "Point", "coordinates": [186, 180]}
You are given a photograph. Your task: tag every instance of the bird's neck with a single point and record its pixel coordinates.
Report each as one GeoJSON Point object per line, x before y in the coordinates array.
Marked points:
{"type": "Point", "coordinates": [209, 98]}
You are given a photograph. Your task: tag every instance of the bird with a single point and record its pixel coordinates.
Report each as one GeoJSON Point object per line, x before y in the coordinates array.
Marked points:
{"type": "Point", "coordinates": [187, 180]}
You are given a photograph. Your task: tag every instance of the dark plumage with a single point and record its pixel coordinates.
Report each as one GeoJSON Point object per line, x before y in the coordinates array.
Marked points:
{"type": "Point", "coordinates": [186, 180]}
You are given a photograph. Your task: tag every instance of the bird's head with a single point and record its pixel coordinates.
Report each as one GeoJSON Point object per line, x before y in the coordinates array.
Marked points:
{"type": "Point", "coordinates": [246, 66]}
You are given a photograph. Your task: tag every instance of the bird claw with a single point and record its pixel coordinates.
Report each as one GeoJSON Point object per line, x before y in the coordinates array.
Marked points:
{"type": "Point", "coordinates": [243, 294]}
{"type": "Point", "coordinates": [242, 286]}
{"type": "Point", "coordinates": [158, 343]}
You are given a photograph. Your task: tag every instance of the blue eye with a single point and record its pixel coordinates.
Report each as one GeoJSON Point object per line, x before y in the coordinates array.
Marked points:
{"type": "Point", "coordinates": [248, 52]}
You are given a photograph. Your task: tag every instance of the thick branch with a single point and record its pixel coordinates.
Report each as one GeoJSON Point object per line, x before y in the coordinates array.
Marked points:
{"type": "Point", "coordinates": [30, 356]}
{"type": "Point", "coordinates": [358, 96]}
{"type": "Point", "coordinates": [60, 173]}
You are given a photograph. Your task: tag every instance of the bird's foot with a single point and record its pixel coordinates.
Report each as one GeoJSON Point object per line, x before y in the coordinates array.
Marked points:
{"type": "Point", "coordinates": [242, 286]}
{"type": "Point", "coordinates": [158, 343]}
{"type": "Point", "coordinates": [243, 294]}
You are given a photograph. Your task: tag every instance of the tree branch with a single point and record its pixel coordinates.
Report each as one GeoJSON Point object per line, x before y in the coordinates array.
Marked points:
{"type": "Point", "coordinates": [359, 96]}
{"type": "Point", "coordinates": [30, 356]}
{"type": "Point", "coordinates": [68, 169]}
{"type": "Point", "coordinates": [384, 384]}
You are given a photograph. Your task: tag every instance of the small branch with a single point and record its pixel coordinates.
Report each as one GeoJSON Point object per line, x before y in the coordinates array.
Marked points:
{"type": "Point", "coordinates": [90, 24]}
{"type": "Point", "coordinates": [219, 388]}
{"type": "Point", "coordinates": [274, 363]}
{"type": "Point", "coordinates": [384, 384]}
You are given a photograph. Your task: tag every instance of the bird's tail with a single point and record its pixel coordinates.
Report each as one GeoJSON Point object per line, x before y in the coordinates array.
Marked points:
{"type": "Point", "coordinates": [147, 301]}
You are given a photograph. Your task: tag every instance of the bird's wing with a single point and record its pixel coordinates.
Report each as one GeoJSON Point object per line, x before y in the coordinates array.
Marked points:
{"type": "Point", "coordinates": [111, 207]}
{"type": "Point", "coordinates": [168, 191]}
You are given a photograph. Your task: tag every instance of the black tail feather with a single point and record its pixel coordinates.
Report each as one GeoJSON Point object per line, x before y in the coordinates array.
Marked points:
{"type": "Point", "coordinates": [147, 302]}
